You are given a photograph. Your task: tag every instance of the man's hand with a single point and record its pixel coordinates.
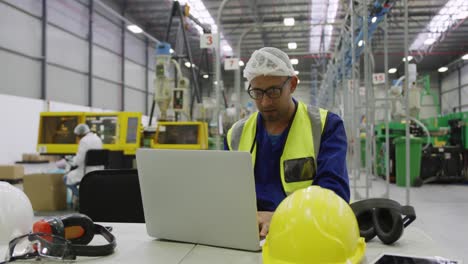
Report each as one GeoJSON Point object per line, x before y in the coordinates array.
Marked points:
{"type": "Point", "coordinates": [264, 219]}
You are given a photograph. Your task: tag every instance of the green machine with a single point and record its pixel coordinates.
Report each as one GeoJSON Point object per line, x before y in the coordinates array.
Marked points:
{"type": "Point", "coordinates": [448, 135]}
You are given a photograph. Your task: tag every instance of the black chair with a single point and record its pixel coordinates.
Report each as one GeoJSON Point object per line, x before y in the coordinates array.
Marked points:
{"type": "Point", "coordinates": [96, 157]}
{"type": "Point", "coordinates": [116, 160]}
{"type": "Point", "coordinates": [112, 196]}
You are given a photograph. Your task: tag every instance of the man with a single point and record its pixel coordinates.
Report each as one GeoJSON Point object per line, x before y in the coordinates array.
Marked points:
{"type": "Point", "coordinates": [293, 145]}
{"type": "Point", "coordinates": [87, 140]}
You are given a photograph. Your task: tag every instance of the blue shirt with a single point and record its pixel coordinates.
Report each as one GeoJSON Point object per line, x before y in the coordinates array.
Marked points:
{"type": "Point", "coordinates": [331, 163]}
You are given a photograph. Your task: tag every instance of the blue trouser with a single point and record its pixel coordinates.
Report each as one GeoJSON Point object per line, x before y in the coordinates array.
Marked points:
{"type": "Point", "coordinates": [72, 187]}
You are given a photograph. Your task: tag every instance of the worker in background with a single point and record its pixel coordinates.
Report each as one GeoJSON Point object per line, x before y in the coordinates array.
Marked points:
{"type": "Point", "coordinates": [293, 145]}
{"type": "Point", "coordinates": [87, 140]}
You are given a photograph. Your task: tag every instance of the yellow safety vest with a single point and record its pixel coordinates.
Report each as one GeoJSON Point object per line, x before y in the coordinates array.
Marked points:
{"type": "Point", "coordinates": [298, 162]}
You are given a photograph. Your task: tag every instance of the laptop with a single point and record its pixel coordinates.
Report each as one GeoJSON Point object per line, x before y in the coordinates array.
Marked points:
{"type": "Point", "coordinates": [199, 196]}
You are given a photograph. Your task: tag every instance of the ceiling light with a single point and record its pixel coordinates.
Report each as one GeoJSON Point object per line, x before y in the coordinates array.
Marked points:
{"type": "Point", "coordinates": [429, 41]}
{"type": "Point", "coordinates": [360, 43]}
{"type": "Point", "coordinates": [135, 29]}
{"type": "Point", "coordinates": [200, 12]}
{"type": "Point", "coordinates": [374, 19]}
{"type": "Point", "coordinates": [292, 45]}
{"type": "Point", "coordinates": [392, 70]}
{"type": "Point", "coordinates": [409, 58]}
{"type": "Point", "coordinates": [205, 76]}
{"type": "Point", "coordinates": [296, 72]}
{"type": "Point", "coordinates": [442, 69]}
{"type": "Point", "coordinates": [465, 57]}
{"type": "Point", "coordinates": [187, 64]}
{"type": "Point", "coordinates": [171, 51]}
{"type": "Point", "coordinates": [449, 15]}
{"type": "Point", "coordinates": [215, 82]}
{"type": "Point", "coordinates": [461, 15]}
{"type": "Point", "coordinates": [294, 61]}
{"type": "Point", "coordinates": [193, 65]}
{"type": "Point", "coordinates": [289, 21]}
{"type": "Point", "coordinates": [241, 63]}
{"type": "Point", "coordinates": [323, 14]}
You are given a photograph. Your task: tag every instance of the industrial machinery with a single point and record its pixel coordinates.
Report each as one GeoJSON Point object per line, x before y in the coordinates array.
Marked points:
{"type": "Point", "coordinates": [181, 135]}
{"type": "Point", "coordinates": [446, 159]}
{"type": "Point", "coordinates": [171, 94]}
{"type": "Point", "coordinates": [444, 151]}
{"type": "Point", "coordinates": [122, 131]}
{"type": "Point", "coordinates": [119, 131]}
{"type": "Point", "coordinates": [170, 100]}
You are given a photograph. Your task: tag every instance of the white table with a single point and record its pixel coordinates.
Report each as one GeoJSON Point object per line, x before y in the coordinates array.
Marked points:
{"type": "Point", "coordinates": [135, 246]}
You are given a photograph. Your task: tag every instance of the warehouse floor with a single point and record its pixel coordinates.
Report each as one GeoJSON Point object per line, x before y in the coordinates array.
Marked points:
{"type": "Point", "coordinates": [441, 210]}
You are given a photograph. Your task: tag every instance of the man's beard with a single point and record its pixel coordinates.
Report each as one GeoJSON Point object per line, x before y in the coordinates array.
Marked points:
{"type": "Point", "coordinates": [272, 116]}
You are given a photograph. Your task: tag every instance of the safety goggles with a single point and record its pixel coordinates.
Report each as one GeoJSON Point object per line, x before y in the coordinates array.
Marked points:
{"type": "Point", "coordinates": [272, 93]}
{"type": "Point", "coordinates": [38, 246]}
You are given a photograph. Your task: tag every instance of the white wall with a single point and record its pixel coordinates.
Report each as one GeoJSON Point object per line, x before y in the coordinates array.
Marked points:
{"type": "Point", "coordinates": [66, 49]}
{"type": "Point", "coordinates": [134, 75]}
{"type": "Point", "coordinates": [67, 69]}
{"type": "Point", "coordinates": [71, 15]}
{"type": "Point", "coordinates": [450, 90]}
{"type": "Point", "coordinates": [67, 41]}
{"type": "Point", "coordinates": [20, 121]}
{"type": "Point", "coordinates": [135, 100]}
{"type": "Point", "coordinates": [449, 98]}
{"type": "Point", "coordinates": [31, 6]}
{"type": "Point", "coordinates": [67, 86]}
{"type": "Point", "coordinates": [19, 75]}
{"type": "Point", "coordinates": [464, 91]}
{"type": "Point", "coordinates": [106, 94]}
{"type": "Point", "coordinates": [21, 124]}
{"type": "Point", "coordinates": [107, 64]}
{"type": "Point", "coordinates": [20, 32]}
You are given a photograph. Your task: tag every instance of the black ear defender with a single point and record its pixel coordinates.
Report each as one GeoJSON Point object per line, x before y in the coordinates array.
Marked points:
{"type": "Point", "coordinates": [79, 229]}
{"type": "Point", "coordinates": [383, 218]}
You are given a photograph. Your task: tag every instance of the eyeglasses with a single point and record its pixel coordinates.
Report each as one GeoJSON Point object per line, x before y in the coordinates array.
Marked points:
{"type": "Point", "coordinates": [272, 93]}
{"type": "Point", "coordinates": [39, 245]}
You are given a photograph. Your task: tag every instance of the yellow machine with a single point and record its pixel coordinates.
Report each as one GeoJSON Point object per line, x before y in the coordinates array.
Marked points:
{"type": "Point", "coordinates": [122, 131]}
{"type": "Point", "coordinates": [180, 135]}
{"type": "Point", "coordinates": [119, 131]}
{"type": "Point", "coordinates": [172, 95]}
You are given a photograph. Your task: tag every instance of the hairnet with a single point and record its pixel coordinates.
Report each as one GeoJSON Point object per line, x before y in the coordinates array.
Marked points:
{"type": "Point", "coordinates": [81, 129]}
{"type": "Point", "coordinates": [268, 61]}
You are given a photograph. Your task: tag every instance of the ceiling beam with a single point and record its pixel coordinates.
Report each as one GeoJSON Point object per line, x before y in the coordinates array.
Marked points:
{"type": "Point", "coordinates": [257, 19]}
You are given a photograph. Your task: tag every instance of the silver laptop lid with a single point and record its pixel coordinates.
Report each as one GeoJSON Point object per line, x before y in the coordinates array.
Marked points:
{"type": "Point", "coordinates": [199, 196]}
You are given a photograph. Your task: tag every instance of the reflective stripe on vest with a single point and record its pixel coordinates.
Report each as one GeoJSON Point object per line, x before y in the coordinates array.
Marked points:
{"type": "Point", "coordinates": [298, 151]}
{"type": "Point", "coordinates": [234, 134]}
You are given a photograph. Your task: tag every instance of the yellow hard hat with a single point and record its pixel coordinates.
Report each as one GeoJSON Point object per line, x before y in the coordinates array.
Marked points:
{"type": "Point", "coordinates": [313, 225]}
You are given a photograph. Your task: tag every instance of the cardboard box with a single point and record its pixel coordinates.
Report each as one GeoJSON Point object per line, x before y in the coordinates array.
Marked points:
{"type": "Point", "coordinates": [36, 157]}
{"type": "Point", "coordinates": [47, 192]}
{"type": "Point", "coordinates": [11, 172]}
{"type": "Point", "coordinates": [30, 157]}
{"type": "Point", "coordinates": [49, 158]}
